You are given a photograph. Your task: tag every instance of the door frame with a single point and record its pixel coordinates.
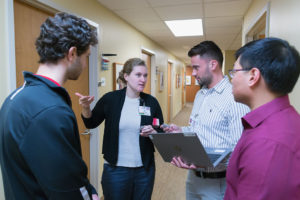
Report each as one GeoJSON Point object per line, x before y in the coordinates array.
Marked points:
{"type": "Point", "coordinates": [171, 87]}
{"type": "Point", "coordinates": [93, 74]}
{"type": "Point", "coordinates": [264, 11]}
{"type": "Point", "coordinates": [153, 71]}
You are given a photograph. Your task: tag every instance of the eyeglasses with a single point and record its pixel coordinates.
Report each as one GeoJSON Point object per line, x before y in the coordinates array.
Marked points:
{"type": "Point", "coordinates": [233, 71]}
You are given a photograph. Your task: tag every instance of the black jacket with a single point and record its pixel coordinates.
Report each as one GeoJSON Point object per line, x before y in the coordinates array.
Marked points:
{"type": "Point", "coordinates": [40, 151]}
{"type": "Point", "coordinates": [109, 108]}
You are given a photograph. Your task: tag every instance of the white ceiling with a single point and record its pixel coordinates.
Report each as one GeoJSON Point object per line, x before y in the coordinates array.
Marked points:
{"type": "Point", "coordinates": [222, 21]}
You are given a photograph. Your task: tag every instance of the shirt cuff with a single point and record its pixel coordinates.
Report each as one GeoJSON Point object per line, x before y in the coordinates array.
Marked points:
{"type": "Point", "coordinates": [186, 129]}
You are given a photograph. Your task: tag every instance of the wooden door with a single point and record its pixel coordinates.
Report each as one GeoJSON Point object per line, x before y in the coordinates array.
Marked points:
{"type": "Point", "coordinates": [147, 58]}
{"type": "Point", "coordinates": [169, 90]}
{"type": "Point", "coordinates": [27, 28]}
{"type": "Point", "coordinates": [82, 86]}
{"type": "Point", "coordinates": [192, 89]}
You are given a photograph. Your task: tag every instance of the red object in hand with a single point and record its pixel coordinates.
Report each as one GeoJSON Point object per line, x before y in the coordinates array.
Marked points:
{"type": "Point", "coordinates": [155, 122]}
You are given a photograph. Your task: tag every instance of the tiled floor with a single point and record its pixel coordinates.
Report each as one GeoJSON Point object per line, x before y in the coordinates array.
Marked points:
{"type": "Point", "coordinates": [170, 180]}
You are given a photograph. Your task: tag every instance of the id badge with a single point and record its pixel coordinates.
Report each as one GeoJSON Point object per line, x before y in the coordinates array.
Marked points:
{"type": "Point", "coordinates": [147, 111]}
{"type": "Point", "coordinates": [144, 110]}
{"type": "Point", "coordinates": [141, 110]}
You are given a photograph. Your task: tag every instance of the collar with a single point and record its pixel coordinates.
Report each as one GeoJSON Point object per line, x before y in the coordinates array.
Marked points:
{"type": "Point", "coordinates": [123, 91]}
{"type": "Point", "coordinates": [257, 116]}
{"type": "Point", "coordinates": [49, 79]}
{"type": "Point", "coordinates": [31, 78]}
{"type": "Point", "coordinates": [219, 87]}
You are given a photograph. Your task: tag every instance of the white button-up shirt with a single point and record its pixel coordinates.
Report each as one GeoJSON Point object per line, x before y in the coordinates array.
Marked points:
{"type": "Point", "coordinates": [216, 117]}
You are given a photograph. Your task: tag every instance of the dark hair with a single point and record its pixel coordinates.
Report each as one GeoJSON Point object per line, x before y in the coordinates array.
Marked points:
{"type": "Point", "coordinates": [207, 49]}
{"type": "Point", "coordinates": [277, 61]}
{"type": "Point", "coordinates": [129, 65]}
{"type": "Point", "coordinates": [60, 33]}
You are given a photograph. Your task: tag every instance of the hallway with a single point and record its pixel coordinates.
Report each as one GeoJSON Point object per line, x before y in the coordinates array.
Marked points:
{"type": "Point", "coordinates": [170, 180]}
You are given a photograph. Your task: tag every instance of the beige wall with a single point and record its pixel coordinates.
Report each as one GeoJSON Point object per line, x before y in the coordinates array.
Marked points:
{"type": "Point", "coordinates": [116, 36]}
{"type": "Point", "coordinates": [3, 68]}
{"type": "Point", "coordinates": [284, 23]}
{"type": "Point", "coordinates": [177, 92]}
{"type": "Point", "coordinates": [229, 60]}
{"type": "Point", "coordinates": [3, 52]}
{"type": "Point", "coordinates": [119, 37]}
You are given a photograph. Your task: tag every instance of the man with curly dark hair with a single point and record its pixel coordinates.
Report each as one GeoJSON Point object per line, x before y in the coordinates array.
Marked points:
{"type": "Point", "coordinates": [40, 153]}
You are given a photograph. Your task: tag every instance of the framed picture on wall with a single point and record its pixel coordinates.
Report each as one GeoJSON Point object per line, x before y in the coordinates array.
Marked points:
{"type": "Point", "coordinates": [161, 81]}
{"type": "Point", "coordinates": [178, 81]}
{"type": "Point", "coordinates": [184, 80]}
{"type": "Point", "coordinates": [188, 80]}
{"type": "Point", "coordinates": [117, 67]}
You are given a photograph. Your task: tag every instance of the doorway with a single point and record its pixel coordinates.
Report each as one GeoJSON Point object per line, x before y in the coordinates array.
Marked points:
{"type": "Point", "coordinates": [27, 20]}
{"type": "Point", "coordinates": [259, 28]}
{"type": "Point", "coordinates": [147, 58]}
{"type": "Point", "coordinates": [192, 86]}
{"type": "Point", "coordinates": [169, 90]}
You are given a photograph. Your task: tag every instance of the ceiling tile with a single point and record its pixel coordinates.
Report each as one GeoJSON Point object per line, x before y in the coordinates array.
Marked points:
{"type": "Point", "coordinates": [222, 40]}
{"type": "Point", "coordinates": [190, 11]}
{"type": "Point", "coordinates": [164, 34]}
{"type": "Point", "coordinates": [237, 42]}
{"type": "Point", "coordinates": [155, 3]}
{"type": "Point", "coordinates": [150, 25]}
{"type": "Point", "coordinates": [222, 30]}
{"type": "Point", "coordinates": [142, 14]}
{"type": "Point", "coordinates": [124, 4]}
{"type": "Point", "coordinates": [221, 21]}
{"type": "Point", "coordinates": [223, 8]}
{"type": "Point", "coordinates": [214, 1]}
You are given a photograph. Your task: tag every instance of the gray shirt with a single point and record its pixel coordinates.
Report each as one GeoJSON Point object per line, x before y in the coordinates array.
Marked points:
{"type": "Point", "coordinates": [129, 129]}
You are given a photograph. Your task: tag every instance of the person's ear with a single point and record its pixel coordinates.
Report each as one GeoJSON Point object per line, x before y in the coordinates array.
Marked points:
{"type": "Point", "coordinates": [125, 76]}
{"type": "Point", "coordinates": [72, 54]}
{"type": "Point", "coordinates": [212, 64]}
{"type": "Point", "coordinates": [254, 76]}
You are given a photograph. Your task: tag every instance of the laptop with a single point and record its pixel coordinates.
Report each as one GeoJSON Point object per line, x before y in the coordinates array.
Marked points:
{"type": "Point", "coordinates": [189, 148]}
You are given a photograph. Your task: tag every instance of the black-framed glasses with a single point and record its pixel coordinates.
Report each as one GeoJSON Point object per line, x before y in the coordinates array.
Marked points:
{"type": "Point", "coordinates": [233, 71]}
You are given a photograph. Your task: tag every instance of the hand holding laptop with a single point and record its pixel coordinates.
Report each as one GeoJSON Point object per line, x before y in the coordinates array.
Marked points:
{"type": "Point", "coordinates": [172, 128]}
{"type": "Point", "coordinates": [185, 149]}
{"type": "Point", "coordinates": [179, 162]}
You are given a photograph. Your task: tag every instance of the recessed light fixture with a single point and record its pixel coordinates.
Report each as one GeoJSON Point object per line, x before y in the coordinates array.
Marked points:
{"type": "Point", "coordinates": [190, 27]}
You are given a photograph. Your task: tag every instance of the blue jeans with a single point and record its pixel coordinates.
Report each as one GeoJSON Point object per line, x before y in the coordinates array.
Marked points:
{"type": "Point", "coordinates": [126, 183]}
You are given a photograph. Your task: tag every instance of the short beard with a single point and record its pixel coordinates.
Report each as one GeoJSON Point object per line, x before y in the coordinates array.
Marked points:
{"type": "Point", "coordinates": [205, 81]}
{"type": "Point", "coordinates": [75, 70]}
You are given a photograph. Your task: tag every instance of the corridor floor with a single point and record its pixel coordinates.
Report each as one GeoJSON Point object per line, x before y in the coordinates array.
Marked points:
{"type": "Point", "coordinates": [170, 180]}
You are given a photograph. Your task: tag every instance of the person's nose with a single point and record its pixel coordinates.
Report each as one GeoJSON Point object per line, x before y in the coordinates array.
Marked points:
{"type": "Point", "coordinates": [144, 79]}
{"type": "Point", "coordinates": [194, 72]}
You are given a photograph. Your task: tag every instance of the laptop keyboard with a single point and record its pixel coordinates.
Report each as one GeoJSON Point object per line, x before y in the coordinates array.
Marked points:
{"type": "Point", "coordinates": [214, 157]}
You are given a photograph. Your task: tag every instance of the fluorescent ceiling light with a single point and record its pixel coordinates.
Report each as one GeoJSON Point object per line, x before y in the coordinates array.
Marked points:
{"type": "Point", "coordinates": [190, 27]}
